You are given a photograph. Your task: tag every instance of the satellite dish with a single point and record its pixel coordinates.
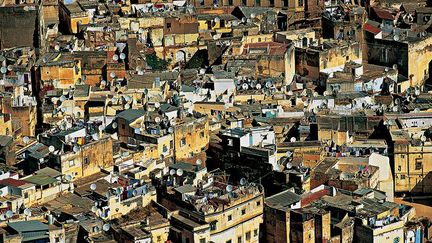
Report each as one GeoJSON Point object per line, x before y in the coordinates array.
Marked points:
{"type": "Point", "coordinates": [93, 187]}
{"type": "Point", "coordinates": [26, 139]}
{"type": "Point", "coordinates": [3, 70]}
{"type": "Point", "coordinates": [243, 181]}
{"type": "Point", "coordinates": [417, 92]}
{"type": "Point", "coordinates": [315, 110]}
{"type": "Point", "coordinates": [122, 56]}
{"type": "Point", "coordinates": [96, 228]}
{"type": "Point", "coordinates": [9, 214]}
{"type": "Point", "coordinates": [395, 109]}
{"type": "Point", "coordinates": [68, 177]}
{"type": "Point", "coordinates": [114, 125]}
{"type": "Point", "coordinates": [95, 136]}
{"type": "Point", "coordinates": [112, 75]}
{"type": "Point", "coordinates": [157, 119]}
{"type": "Point", "coordinates": [288, 166]}
{"type": "Point", "coordinates": [315, 94]}
{"type": "Point", "coordinates": [235, 23]}
{"type": "Point", "coordinates": [9, 67]}
{"type": "Point", "coordinates": [157, 105]}
{"type": "Point", "coordinates": [179, 172]}
{"type": "Point", "coordinates": [395, 66]}
{"type": "Point", "coordinates": [135, 193]}
{"type": "Point", "coordinates": [290, 93]}
{"type": "Point", "coordinates": [396, 38]}
{"type": "Point", "coordinates": [258, 86]}
{"type": "Point", "coordinates": [229, 188]}
{"type": "Point", "coordinates": [172, 172]}
{"type": "Point", "coordinates": [27, 212]}
{"type": "Point", "coordinates": [62, 98]}
{"type": "Point", "coordinates": [2, 217]}
{"type": "Point", "coordinates": [198, 162]}
{"type": "Point", "coordinates": [244, 20]}
{"type": "Point", "coordinates": [76, 148]}
{"type": "Point", "coordinates": [106, 227]}
{"type": "Point", "coordinates": [293, 139]}
{"type": "Point", "coordinates": [94, 209]}
{"type": "Point", "coordinates": [416, 110]}
{"type": "Point", "coordinates": [51, 149]}
{"type": "Point", "coordinates": [115, 57]}
{"type": "Point", "coordinates": [127, 106]}
{"type": "Point", "coordinates": [423, 138]}
{"type": "Point", "coordinates": [245, 86]}
{"type": "Point", "coordinates": [252, 15]}
{"type": "Point", "coordinates": [170, 130]}
{"type": "Point", "coordinates": [202, 71]}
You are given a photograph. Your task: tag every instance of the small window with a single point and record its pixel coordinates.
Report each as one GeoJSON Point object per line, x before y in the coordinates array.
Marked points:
{"type": "Point", "coordinates": [71, 163]}
{"type": "Point", "coordinates": [243, 212]}
{"type": "Point", "coordinates": [86, 161]}
{"type": "Point", "coordinates": [165, 148]}
{"type": "Point", "coordinates": [402, 177]}
{"type": "Point", "coordinates": [255, 232]}
{"type": "Point", "coordinates": [203, 240]}
{"type": "Point", "coordinates": [213, 225]}
{"type": "Point", "coordinates": [418, 165]}
{"type": "Point", "coordinates": [258, 203]}
{"type": "Point", "coordinates": [248, 236]}
{"type": "Point", "coordinates": [239, 239]}
{"type": "Point", "coordinates": [230, 142]}
{"type": "Point", "coordinates": [230, 217]}
{"type": "Point", "coordinates": [202, 134]}
{"type": "Point", "coordinates": [182, 142]}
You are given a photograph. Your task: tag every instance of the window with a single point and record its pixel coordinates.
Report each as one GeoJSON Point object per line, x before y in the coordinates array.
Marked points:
{"type": "Point", "coordinates": [158, 238]}
{"type": "Point", "coordinates": [239, 239]}
{"type": "Point", "coordinates": [418, 164]}
{"type": "Point", "coordinates": [203, 240]}
{"type": "Point", "coordinates": [202, 134]}
{"type": "Point", "coordinates": [255, 232]}
{"type": "Point", "coordinates": [300, 3]}
{"type": "Point", "coordinates": [228, 241]}
{"type": "Point", "coordinates": [399, 168]}
{"type": "Point", "coordinates": [71, 163]}
{"type": "Point", "coordinates": [248, 236]}
{"type": "Point", "coordinates": [402, 177]}
{"type": "Point", "coordinates": [168, 25]}
{"type": "Point", "coordinates": [230, 217]}
{"type": "Point", "coordinates": [258, 203]}
{"type": "Point", "coordinates": [271, 3]}
{"type": "Point", "coordinates": [243, 211]}
{"type": "Point", "coordinates": [86, 161]}
{"type": "Point", "coordinates": [182, 142]}
{"type": "Point", "coordinates": [164, 148]}
{"type": "Point", "coordinates": [213, 225]}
